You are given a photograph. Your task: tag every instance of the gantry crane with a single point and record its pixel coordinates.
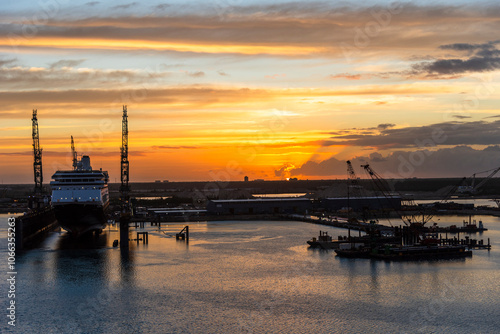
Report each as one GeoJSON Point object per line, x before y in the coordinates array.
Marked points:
{"type": "Point", "coordinates": [37, 155]}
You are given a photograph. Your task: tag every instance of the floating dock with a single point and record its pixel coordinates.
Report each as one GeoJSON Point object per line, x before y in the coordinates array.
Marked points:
{"type": "Point", "coordinates": [33, 227]}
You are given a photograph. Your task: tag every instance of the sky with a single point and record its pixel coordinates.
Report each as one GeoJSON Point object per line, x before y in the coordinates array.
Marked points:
{"type": "Point", "coordinates": [221, 89]}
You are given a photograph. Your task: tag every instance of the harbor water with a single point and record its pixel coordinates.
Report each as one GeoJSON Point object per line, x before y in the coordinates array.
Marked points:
{"type": "Point", "coordinates": [246, 277]}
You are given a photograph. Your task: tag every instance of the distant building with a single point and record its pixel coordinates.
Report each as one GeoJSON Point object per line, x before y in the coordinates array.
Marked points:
{"type": "Point", "coordinates": [246, 178]}
{"type": "Point", "coordinates": [259, 206]}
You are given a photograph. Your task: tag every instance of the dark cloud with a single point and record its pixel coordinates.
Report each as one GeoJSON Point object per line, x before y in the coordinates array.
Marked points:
{"type": "Point", "coordinates": [385, 126]}
{"type": "Point", "coordinates": [197, 74]}
{"type": "Point", "coordinates": [482, 58]}
{"type": "Point", "coordinates": [66, 63]}
{"type": "Point", "coordinates": [460, 116]}
{"type": "Point", "coordinates": [126, 6]}
{"type": "Point", "coordinates": [161, 6]}
{"type": "Point", "coordinates": [467, 46]}
{"type": "Point", "coordinates": [319, 25]}
{"type": "Point", "coordinates": [459, 66]}
{"type": "Point", "coordinates": [61, 74]}
{"type": "Point", "coordinates": [446, 162]}
{"type": "Point", "coordinates": [447, 133]}
{"type": "Point", "coordinates": [92, 3]}
{"type": "Point", "coordinates": [4, 62]}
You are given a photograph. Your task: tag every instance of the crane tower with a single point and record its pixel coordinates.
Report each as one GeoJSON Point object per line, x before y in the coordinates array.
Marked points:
{"type": "Point", "coordinates": [124, 188]}
{"type": "Point", "coordinates": [37, 155]}
{"type": "Point", "coordinates": [73, 152]}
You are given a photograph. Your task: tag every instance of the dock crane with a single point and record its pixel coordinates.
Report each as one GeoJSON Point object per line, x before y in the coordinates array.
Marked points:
{"type": "Point", "coordinates": [473, 189]}
{"type": "Point", "coordinates": [73, 152]}
{"type": "Point", "coordinates": [124, 187]}
{"type": "Point", "coordinates": [37, 155]}
{"type": "Point", "coordinates": [37, 200]}
{"type": "Point", "coordinates": [353, 180]}
{"type": "Point", "coordinates": [407, 219]}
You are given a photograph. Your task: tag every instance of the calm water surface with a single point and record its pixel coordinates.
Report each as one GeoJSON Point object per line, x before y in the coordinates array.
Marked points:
{"type": "Point", "coordinates": [247, 277]}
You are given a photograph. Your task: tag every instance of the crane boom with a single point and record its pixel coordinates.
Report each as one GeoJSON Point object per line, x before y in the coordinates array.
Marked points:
{"type": "Point", "coordinates": [73, 152]}
{"type": "Point", "coordinates": [480, 184]}
{"type": "Point", "coordinates": [37, 155]}
{"type": "Point", "coordinates": [353, 180]}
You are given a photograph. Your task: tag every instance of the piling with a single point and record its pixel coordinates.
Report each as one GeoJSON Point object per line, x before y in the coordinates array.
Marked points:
{"type": "Point", "coordinates": [145, 238]}
{"type": "Point", "coordinates": [124, 227]}
{"type": "Point", "coordinates": [183, 234]}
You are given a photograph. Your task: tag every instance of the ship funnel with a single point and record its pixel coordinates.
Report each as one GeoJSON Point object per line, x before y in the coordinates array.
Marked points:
{"type": "Point", "coordinates": [85, 163]}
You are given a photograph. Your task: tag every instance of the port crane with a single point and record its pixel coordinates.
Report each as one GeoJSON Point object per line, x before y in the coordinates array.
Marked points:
{"type": "Point", "coordinates": [73, 153]}
{"type": "Point", "coordinates": [473, 189]}
{"type": "Point", "coordinates": [409, 220]}
{"type": "Point", "coordinates": [124, 187]}
{"type": "Point", "coordinates": [353, 180]}
{"type": "Point", "coordinates": [37, 155]}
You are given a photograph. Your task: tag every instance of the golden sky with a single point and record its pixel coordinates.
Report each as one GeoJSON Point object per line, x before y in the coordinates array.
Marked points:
{"type": "Point", "coordinates": [269, 89]}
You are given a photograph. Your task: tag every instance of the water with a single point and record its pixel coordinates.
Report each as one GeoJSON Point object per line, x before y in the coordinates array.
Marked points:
{"type": "Point", "coordinates": [247, 277]}
{"type": "Point", "coordinates": [476, 201]}
{"type": "Point", "coordinates": [285, 195]}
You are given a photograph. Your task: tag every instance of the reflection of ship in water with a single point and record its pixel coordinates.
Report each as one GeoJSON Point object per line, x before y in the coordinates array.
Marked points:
{"type": "Point", "coordinates": [80, 198]}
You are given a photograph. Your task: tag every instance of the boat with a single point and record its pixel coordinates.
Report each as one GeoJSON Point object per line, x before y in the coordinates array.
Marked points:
{"type": "Point", "coordinates": [325, 241]}
{"type": "Point", "coordinates": [407, 253]}
{"type": "Point", "coordinates": [80, 198]}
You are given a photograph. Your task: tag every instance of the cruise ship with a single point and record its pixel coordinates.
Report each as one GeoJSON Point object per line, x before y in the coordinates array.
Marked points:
{"type": "Point", "coordinates": [80, 198]}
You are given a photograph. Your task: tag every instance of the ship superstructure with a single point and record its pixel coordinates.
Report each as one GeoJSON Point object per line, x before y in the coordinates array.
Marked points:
{"type": "Point", "coordinates": [80, 197]}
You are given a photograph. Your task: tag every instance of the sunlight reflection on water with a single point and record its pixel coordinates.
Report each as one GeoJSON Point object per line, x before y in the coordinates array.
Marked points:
{"type": "Point", "coordinates": [257, 277]}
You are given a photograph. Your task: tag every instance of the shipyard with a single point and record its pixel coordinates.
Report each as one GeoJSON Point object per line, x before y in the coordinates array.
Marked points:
{"type": "Point", "coordinates": [80, 213]}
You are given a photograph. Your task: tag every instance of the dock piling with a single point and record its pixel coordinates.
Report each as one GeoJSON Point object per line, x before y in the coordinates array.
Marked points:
{"type": "Point", "coordinates": [145, 238]}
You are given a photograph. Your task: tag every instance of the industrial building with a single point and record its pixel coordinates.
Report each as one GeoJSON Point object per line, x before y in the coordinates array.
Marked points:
{"type": "Point", "coordinates": [362, 203]}
{"type": "Point", "coordinates": [259, 206]}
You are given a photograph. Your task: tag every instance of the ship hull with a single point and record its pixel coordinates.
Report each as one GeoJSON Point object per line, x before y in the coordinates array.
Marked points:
{"type": "Point", "coordinates": [80, 219]}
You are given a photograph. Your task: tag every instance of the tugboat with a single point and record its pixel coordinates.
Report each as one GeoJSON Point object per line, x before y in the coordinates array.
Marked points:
{"type": "Point", "coordinates": [80, 198]}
